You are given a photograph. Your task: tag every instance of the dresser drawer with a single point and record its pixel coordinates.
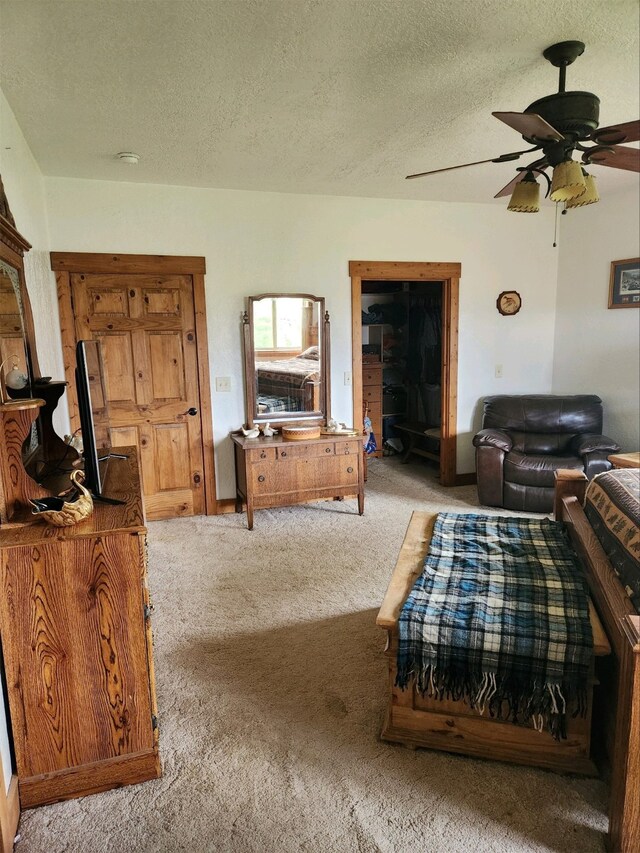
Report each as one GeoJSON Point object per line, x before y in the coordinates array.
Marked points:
{"type": "Point", "coordinates": [293, 450]}
{"type": "Point", "coordinates": [375, 411]}
{"type": "Point", "coordinates": [265, 479]}
{"type": "Point", "coordinates": [346, 448]}
{"type": "Point", "coordinates": [261, 454]}
{"type": "Point", "coordinates": [340, 471]}
{"type": "Point", "coordinates": [372, 393]}
{"type": "Point", "coordinates": [372, 375]}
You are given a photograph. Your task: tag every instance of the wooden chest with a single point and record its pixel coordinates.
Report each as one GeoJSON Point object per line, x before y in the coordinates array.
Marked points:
{"type": "Point", "coordinates": [77, 652]}
{"type": "Point", "coordinates": [273, 472]}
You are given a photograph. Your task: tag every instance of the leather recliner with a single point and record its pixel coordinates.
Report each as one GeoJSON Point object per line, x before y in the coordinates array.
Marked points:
{"type": "Point", "coordinates": [525, 439]}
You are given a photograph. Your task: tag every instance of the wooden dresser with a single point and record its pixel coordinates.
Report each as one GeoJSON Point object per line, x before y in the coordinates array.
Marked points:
{"type": "Point", "coordinates": [372, 396]}
{"type": "Point", "coordinates": [76, 644]}
{"type": "Point", "coordinates": [273, 472]}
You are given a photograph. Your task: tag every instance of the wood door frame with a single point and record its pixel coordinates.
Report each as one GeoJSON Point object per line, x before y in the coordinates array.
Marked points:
{"type": "Point", "coordinates": [449, 275]}
{"type": "Point", "coordinates": [9, 809]}
{"type": "Point", "coordinates": [66, 263]}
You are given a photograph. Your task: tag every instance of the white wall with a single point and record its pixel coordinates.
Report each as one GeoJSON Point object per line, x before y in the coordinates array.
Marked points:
{"type": "Point", "coordinates": [255, 242]}
{"type": "Point", "coordinates": [596, 349]}
{"type": "Point", "coordinates": [24, 186]}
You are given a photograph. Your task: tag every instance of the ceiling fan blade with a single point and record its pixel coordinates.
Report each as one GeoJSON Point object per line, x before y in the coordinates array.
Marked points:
{"type": "Point", "coordinates": [503, 158]}
{"type": "Point", "coordinates": [619, 157]}
{"type": "Point", "coordinates": [530, 125]}
{"type": "Point", "coordinates": [509, 188]}
{"type": "Point", "coordinates": [448, 169]}
{"type": "Point", "coordinates": [616, 134]}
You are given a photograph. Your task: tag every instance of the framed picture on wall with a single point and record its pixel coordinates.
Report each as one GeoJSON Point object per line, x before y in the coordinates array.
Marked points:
{"type": "Point", "coordinates": [624, 284]}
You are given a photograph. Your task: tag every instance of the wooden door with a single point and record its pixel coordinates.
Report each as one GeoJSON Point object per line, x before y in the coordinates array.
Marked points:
{"type": "Point", "coordinates": [147, 328]}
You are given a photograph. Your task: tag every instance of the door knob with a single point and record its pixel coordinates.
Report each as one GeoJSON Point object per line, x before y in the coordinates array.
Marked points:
{"type": "Point", "coordinates": [192, 411]}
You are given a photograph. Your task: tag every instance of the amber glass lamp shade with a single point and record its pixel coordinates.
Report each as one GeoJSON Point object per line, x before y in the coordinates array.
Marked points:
{"type": "Point", "coordinates": [568, 181]}
{"type": "Point", "coordinates": [589, 196]}
{"type": "Point", "coordinates": [526, 196]}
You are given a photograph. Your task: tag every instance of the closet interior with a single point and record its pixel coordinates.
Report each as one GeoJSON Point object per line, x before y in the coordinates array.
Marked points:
{"type": "Point", "coordinates": [402, 366]}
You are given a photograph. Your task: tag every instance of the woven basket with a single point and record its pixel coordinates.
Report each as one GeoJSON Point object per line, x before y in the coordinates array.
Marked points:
{"type": "Point", "coordinates": [300, 433]}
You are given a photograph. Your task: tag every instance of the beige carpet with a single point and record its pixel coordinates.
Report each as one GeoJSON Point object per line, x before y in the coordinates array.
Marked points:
{"type": "Point", "coordinates": [271, 688]}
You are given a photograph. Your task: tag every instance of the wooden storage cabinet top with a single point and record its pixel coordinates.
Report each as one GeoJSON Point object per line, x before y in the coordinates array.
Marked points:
{"type": "Point", "coordinates": [274, 472]}
{"type": "Point", "coordinates": [77, 648]}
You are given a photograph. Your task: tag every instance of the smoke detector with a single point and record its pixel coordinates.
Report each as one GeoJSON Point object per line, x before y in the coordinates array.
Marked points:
{"type": "Point", "coordinates": [128, 157]}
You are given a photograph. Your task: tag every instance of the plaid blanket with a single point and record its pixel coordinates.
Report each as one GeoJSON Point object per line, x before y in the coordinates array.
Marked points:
{"type": "Point", "coordinates": [499, 618]}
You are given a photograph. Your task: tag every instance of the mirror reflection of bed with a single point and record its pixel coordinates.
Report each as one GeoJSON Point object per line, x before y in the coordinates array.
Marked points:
{"type": "Point", "coordinates": [288, 356]}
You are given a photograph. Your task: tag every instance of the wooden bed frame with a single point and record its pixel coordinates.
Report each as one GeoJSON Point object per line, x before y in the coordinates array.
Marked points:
{"type": "Point", "coordinates": [414, 720]}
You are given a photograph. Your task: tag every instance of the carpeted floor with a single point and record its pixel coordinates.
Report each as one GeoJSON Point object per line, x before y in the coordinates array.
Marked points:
{"type": "Point", "coordinates": [271, 689]}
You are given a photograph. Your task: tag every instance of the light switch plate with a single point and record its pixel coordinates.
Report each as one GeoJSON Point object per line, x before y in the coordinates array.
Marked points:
{"type": "Point", "coordinates": [223, 383]}
{"type": "Point", "coordinates": [498, 371]}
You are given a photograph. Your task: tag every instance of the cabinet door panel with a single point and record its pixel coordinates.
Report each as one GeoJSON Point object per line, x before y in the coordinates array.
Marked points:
{"type": "Point", "coordinates": [82, 668]}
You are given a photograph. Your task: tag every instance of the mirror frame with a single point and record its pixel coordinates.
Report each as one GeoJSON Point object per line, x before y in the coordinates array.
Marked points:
{"type": "Point", "coordinates": [253, 417]}
{"type": "Point", "coordinates": [13, 248]}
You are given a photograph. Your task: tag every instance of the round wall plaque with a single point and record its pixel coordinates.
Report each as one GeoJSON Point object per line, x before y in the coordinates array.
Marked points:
{"type": "Point", "coordinates": [509, 302]}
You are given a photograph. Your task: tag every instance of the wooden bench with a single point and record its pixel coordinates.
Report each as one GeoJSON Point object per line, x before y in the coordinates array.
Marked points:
{"type": "Point", "coordinates": [415, 720]}
{"type": "Point", "coordinates": [419, 440]}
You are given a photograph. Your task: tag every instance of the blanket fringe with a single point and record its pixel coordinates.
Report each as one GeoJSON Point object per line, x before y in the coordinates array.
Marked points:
{"type": "Point", "coordinates": [543, 705]}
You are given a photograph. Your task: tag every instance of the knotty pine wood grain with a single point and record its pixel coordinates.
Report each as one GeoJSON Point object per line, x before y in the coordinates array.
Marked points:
{"type": "Point", "coordinates": [77, 662]}
{"type": "Point", "coordinates": [77, 649]}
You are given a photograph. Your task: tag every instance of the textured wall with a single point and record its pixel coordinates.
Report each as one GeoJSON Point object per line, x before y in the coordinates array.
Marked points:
{"type": "Point", "coordinates": [24, 187]}
{"type": "Point", "coordinates": [596, 349]}
{"type": "Point", "coordinates": [256, 242]}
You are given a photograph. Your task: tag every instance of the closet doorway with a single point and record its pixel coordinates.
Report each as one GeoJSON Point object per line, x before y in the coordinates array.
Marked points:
{"type": "Point", "coordinates": [410, 286]}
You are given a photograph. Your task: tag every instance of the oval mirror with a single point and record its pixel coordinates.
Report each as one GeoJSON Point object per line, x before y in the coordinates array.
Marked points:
{"type": "Point", "coordinates": [286, 339]}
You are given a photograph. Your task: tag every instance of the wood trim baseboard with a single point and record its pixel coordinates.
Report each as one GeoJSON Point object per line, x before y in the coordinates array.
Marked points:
{"type": "Point", "coordinates": [90, 778]}
{"type": "Point", "coordinates": [224, 505]}
{"type": "Point", "coordinates": [470, 479]}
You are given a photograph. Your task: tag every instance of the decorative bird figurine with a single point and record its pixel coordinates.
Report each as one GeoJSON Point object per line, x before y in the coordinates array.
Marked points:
{"type": "Point", "coordinates": [268, 431]}
{"type": "Point", "coordinates": [254, 432]}
{"type": "Point", "coordinates": [64, 513]}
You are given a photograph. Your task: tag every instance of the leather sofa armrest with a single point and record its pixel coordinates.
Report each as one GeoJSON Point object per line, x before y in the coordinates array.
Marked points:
{"type": "Point", "coordinates": [593, 443]}
{"type": "Point", "coordinates": [493, 438]}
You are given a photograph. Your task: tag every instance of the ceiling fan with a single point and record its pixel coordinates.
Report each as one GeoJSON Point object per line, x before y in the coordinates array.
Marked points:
{"type": "Point", "coordinates": [556, 126]}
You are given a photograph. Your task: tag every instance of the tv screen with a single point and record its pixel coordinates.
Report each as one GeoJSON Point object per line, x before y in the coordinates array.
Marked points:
{"type": "Point", "coordinates": [94, 413]}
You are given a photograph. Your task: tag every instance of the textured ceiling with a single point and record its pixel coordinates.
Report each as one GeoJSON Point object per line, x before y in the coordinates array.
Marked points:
{"type": "Point", "coordinates": [338, 97]}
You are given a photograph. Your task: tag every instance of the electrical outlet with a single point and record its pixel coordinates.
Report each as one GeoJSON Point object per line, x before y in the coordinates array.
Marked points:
{"type": "Point", "coordinates": [498, 371]}
{"type": "Point", "coordinates": [223, 383]}
{"type": "Point", "coordinates": [347, 377]}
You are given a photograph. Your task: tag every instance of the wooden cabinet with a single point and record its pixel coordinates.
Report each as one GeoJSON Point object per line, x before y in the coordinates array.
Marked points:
{"type": "Point", "coordinates": [76, 643]}
{"type": "Point", "coordinates": [273, 472]}
{"type": "Point", "coordinates": [372, 396]}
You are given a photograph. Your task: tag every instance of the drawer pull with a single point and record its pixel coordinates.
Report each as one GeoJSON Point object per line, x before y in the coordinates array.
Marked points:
{"type": "Point", "coordinates": [261, 478]}
{"type": "Point", "coordinates": [263, 455]}
{"type": "Point", "coordinates": [347, 451]}
{"type": "Point", "coordinates": [327, 450]}
{"type": "Point", "coordinates": [349, 470]}
{"type": "Point", "coordinates": [283, 453]}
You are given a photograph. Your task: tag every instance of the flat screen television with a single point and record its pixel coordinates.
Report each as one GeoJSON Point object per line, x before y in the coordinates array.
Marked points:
{"type": "Point", "coordinates": [94, 416]}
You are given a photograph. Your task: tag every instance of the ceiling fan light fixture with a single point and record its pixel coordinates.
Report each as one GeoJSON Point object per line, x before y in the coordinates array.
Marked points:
{"type": "Point", "coordinates": [589, 196]}
{"type": "Point", "coordinates": [526, 196]}
{"type": "Point", "coordinates": [568, 181]}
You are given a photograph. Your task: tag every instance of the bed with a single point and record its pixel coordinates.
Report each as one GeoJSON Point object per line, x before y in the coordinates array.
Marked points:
{"type": "Point", "coordinates": [415, 720]}
{"type": "Point", "coordinates": [289, 384]}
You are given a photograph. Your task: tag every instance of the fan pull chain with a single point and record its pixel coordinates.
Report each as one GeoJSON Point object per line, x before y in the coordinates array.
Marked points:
{"type": "Point", "coordinates": [555, 227]}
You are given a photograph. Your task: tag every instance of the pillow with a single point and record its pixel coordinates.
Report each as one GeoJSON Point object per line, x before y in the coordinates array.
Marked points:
{"type": "Point", "coordinates": [312, 353]}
